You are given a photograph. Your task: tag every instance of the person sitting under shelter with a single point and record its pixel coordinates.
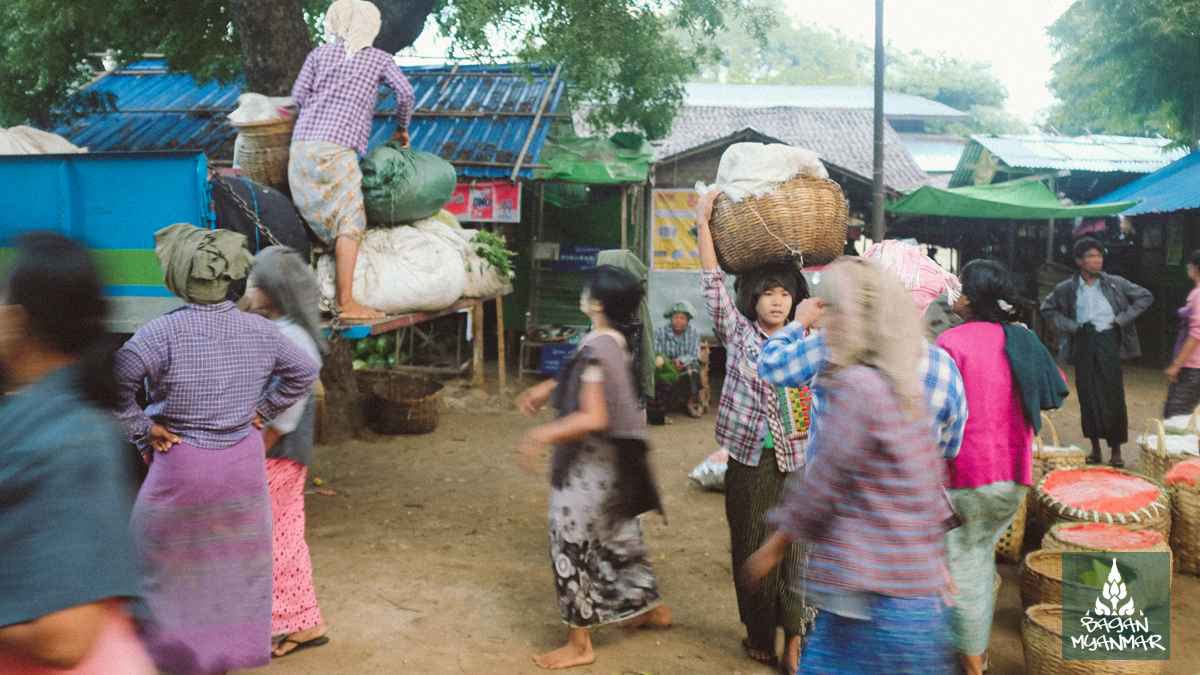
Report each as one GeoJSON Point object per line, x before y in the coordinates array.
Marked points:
{"type": "Point", "coordinates": [679, 343]}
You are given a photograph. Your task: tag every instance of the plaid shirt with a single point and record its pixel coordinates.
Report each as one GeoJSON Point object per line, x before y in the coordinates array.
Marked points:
{"type": "Point", "coordinates": [686, 348]}
{"type": "Point", "coordinates": [204, 368]}
{"type": "Point", "coordinates": [876, 518]}
{"type": "Point", "coordinates": [791, 360]}
{"type": "Point", "coordinates": [337, 97]}
{"type": "Point", "coordinates": [742, 412]}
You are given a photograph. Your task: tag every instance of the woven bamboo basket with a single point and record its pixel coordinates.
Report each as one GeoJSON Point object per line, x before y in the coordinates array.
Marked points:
{"type": "Point", "coordinates": [1041, 579]}
{"type": "Point", "coordinates": [1047, 459]}
{"type": "Point", "coordinates": [395, 403]}
{"type": "Point", "coordinates": [1185, 508]}
{"type": "Point", "coordinates": [1158, 460]}
{"type": "Point", "coordinates": [1155, 516]}
{"type": "Point", "coordinates": [265, 149]}
{"type": "Point", "coordinates": [1013, 538]}
{"type": "Point", "coordinates": [1041, 633]}
{"type": "Point", "coordinates": [803, 220]}
{"type": "Point", "coordinates": [1055, 540]}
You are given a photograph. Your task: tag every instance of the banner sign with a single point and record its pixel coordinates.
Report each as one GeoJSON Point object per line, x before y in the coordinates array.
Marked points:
{"type": "Point", "coordinates": [578, 257]}
{"type": "Point", "coordinates": [498, 202]}
{"type": "Point", "coordinates": [673, 230]}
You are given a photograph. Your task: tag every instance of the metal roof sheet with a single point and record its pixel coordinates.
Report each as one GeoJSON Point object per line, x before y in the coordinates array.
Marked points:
{"type": "Point", "coordinates": [1128, 154]}
{"type": "Point", "coordinates": [935, 153]}
{"type": "Point", "coordinates": [895, 104]}
{"type": "Point", "coordinates": [478, 117]}
{"type": "Point", "coordinates": [1175, 187]}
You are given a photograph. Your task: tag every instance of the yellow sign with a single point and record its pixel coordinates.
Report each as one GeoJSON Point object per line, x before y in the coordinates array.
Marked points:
{"type": "Point", "coordinates": [674, 234]}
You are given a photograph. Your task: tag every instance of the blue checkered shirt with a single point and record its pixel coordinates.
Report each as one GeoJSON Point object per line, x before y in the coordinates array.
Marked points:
{"type": "Point", "coordinates": [686, 348]}
{"type": "Point", "coordinates": [205, 368]}
{"type": "Point", "coordinates": [789, 359]}
{"type": "Point", "coordinates": [337, 97]}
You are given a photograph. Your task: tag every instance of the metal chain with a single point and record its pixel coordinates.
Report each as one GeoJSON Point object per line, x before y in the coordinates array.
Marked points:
{"type": "Point", "coordinates": [241, 204]}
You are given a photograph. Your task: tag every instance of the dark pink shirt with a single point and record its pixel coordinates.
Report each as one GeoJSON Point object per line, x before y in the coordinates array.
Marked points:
{"type": "Point", "coordinates": [996, 443]}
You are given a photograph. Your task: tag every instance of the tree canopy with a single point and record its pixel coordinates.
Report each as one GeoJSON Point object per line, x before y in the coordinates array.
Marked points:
{"type": "Point", "coordinates": [1128, 67]}
{"type": "Point", "coordinates": [795, 53]}
{"type": "Point", "coordinates": [622, 56]}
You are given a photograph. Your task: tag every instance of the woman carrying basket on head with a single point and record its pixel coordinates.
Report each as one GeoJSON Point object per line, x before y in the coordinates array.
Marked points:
{"type": "Point", "coordinates": [1009, 379]}
{"type": "Point", "coordinates": [764, 443]}
{"type": "Point", "coordinates": [336, 91]}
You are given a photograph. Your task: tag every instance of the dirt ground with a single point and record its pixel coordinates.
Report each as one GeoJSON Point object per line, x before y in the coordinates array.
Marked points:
{"type": "Point", "coordinates": [433, 556]}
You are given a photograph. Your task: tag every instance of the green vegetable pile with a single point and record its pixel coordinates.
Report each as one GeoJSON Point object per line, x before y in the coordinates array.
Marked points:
{"type": "Point", "coordinates": [491, 249]}
{"type": "Point", "coordinates": [377, 352]}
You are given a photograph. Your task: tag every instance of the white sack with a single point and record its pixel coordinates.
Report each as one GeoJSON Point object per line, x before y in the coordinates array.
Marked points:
{"type": "Point", "coordinates": [23, 140]}
{"type": "Point", "coordinates": [401, 270]}
{"type": "Point", "coordinates": [259, 108]}
{"type": "Point", "coordinates": [756, 169]}
{"type": "Point", "coordinates": [1189, 444]}
{"type": "Point", "coordinates": [483, 279]}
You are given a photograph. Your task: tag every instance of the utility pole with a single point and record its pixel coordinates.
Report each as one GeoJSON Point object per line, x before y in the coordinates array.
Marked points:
{"type": "Point", "coordinates": [878, 194]}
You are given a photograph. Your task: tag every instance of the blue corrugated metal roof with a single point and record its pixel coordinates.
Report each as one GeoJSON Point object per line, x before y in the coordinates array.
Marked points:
{"type": "Point", "coordinates": [1172, 188]}
{"type": "Point", "coordinates": [477, 116]}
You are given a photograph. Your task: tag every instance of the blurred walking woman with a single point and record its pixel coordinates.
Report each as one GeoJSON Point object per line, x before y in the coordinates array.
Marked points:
{"type": "Point", "coordinates": [203, 516]}
{"type": "Point", "coordinates": [600, 477]}
{"type": "Point", "coordinates": [1009, 378]}
{"type": "Point", "coordinates": [765, 444]}
{"type": "Point", "coordinates": [875, 519]}
{"type": "Point", "coordinates": [283, 289]}
{"type": "Point", "coordinates": [67, 566]}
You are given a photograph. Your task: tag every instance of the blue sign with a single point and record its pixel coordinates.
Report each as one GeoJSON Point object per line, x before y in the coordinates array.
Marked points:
{"type": "Point", "coordinates": [578, 257]}
{"type": "Point", "coordinates": [555, 356]}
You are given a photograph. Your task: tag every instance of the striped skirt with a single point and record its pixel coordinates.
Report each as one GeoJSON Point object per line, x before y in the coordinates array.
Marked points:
{"type": "Point", "coordinates": [902, 637]}
{"type": "Point", "coordinates": [295, 605]}
{"type": "Point", "coordinates": [202, 523]}
{"type": "Point", "coordinates": [750, 493]}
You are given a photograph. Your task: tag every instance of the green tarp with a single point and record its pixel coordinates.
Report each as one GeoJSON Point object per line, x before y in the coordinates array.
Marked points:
{"type": "Point", "coordinates": [1019, 199]}
{"type": "Point", "coordinates": [623, 158]}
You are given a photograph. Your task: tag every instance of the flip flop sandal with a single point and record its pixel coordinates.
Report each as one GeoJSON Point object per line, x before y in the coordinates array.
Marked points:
{"type": "Point", "coordinates": [772, 660]}
{"type": "Point", "coordinates": [1117, 463]}
{"type": "Point", "coordinates": [300, 646]}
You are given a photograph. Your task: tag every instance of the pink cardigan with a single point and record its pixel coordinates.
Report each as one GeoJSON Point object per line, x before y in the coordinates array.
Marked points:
{"type": "Point", "coordinates": [997, 442]}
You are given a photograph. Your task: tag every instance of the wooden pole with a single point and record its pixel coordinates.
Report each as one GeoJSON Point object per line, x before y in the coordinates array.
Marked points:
{"type": "Point", "coordinates": [500, 344]}
{"type": "Point", "coordinates": [624, 215]}
{"type": "Point", "coordinates": [878, 226]}
{"type": "Point", "coordinates": [1050, 229]}
{"type": "Point", "coordinates": [477, 350]}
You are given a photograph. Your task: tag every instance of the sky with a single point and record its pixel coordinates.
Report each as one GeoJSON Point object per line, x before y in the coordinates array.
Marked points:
{"type": "Point", "coordinates": [1010, 34]}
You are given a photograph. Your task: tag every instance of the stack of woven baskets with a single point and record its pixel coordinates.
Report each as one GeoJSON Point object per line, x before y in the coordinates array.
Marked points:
{"type": "Point", "coordinates": [1165, 444]}
{"type": "Point", "coordinates": [1184, 481]}
{"type": "Point", "coordinates": [265, 150]}
{"type": "Point", "coordinates": [803, 220]}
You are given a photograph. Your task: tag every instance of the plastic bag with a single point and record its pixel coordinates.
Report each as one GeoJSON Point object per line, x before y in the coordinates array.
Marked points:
{"type": "Point", "coordinates": [404, 186]}
{"type": "Point", "coordinates": [710, 473]}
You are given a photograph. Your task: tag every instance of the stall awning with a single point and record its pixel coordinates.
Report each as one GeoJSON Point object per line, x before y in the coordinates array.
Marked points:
{"type": "Point", "coordinates": [1019, 199]}
{"type": "Point", "coordinates": [623, 158]}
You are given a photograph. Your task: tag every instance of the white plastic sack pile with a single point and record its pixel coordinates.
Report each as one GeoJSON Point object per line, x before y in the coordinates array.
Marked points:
{"type": "Point", "coordinates": [483, 280]}
{"type": "Point", "coordinates": [710, 473]}
{"type": "Point", "coordinates": [757, 169]}
{"type": "Point", "coordinates": [1177, 424]}
{"type": "Point", "coordinates": [402, 270]}
{"type": "Point", "coordinates": [23, 140]}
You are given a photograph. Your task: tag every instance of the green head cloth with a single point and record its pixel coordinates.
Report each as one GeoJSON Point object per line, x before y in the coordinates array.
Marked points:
{"type": "Point", "coordinates": [681, 306]}
{"type": "Point", "coordinates": [198, 265]}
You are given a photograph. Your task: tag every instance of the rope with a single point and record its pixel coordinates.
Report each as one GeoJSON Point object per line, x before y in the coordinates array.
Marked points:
{"type": "Point", "coordinates": [799, 254]}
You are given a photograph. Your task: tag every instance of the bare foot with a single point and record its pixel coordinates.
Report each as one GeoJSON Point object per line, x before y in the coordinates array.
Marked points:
{"type": "Point", "coordinates": [659, 617]}
{"type": "Point", "coordinates": [790, 661]}
{"type": "Point", "coordinates": [352, 309]}
{"type": "Point", "coordinates": [290, 642]}
{"type": "Point", "coordinates": [577, 652]}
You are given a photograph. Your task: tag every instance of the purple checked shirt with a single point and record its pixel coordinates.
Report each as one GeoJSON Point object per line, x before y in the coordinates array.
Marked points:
{"type": "Point", "coordinates": [337, 97]}
{"type": "Point", "coordinates": [204, 367]}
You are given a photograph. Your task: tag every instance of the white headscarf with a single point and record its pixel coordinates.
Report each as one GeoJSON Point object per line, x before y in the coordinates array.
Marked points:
{"type": "Point", "coordinates": [355, 22]}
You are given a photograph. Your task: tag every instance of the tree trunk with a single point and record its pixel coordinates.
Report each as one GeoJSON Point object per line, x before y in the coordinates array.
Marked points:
{"type": "Point", "coordinates": [274, 42]}
{"type": "Point", "coordinates": [343, 413]}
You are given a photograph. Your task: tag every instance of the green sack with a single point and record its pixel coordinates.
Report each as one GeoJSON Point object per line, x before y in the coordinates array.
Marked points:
{"type": "Point", "coordinates": [404, 186]}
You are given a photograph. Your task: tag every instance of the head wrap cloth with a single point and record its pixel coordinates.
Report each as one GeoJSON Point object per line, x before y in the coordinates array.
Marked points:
{"type": "Point", "coordinates": [919, 274]}
{"type": "Point", "coordinates": [355, 22]}
{"type": "Point", "coordinates": [681, 307]}
{"type": "Point", "coordinates": [198, 265]}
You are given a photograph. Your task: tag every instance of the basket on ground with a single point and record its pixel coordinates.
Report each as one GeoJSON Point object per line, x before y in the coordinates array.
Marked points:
{"type": "Point", "coordinates": [396, 403]}
{"type": "Point", "coordinates": [1047, 458]}
{"type": "Point", "coordinates": [1103, 537]}
{"type": "Point", "coordinates": [1184, 481]}
{"type": "Point", "coordinates": [1009, 547]}
{"type": "Point", "coordinates": [1161, 451]}
{"type": "Point", "coordinates": [1103, 495]}
{"type": "Point", "coordinates": [1041, 579]}
{"type": "Point", "coordinates": [803, 220]}
{"type": "Point", "coordinates": [266, 145]}
{"type": "Point", "coordinates": [1041, 634]}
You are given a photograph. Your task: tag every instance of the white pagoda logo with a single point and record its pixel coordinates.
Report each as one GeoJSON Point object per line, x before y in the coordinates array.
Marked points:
{"type": "Point", "coordinates": [1114, 592]}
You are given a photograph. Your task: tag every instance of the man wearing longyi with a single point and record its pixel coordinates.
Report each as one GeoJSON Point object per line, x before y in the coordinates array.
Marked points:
{"type": "Point", "coordinates": [336, 92]}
